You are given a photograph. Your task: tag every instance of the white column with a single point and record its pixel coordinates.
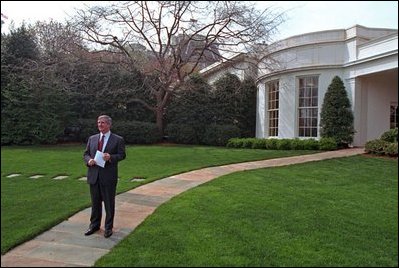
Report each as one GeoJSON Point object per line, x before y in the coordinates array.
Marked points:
{"type": "Point", "coordinates": [260, 111]}
{"type": "Point", "coordinates": [359, 112]}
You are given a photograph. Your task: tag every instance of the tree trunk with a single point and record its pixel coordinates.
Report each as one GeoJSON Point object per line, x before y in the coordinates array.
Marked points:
{"type": "Point", "coordinates": [160, 120]}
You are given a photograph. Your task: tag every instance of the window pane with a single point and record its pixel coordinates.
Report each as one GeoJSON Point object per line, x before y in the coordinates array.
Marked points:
{"type": "Point", "coordinates": [308, 106]}
{"type": "Point", "coordinates": [302, 92]}
{"type": "Point", "coordinates": [307, 92]}
{"type": "Point", "coordinates": [273, 104]}
{"type": "Point", "coordinates": [314, 102]}
{"type": "Point", "coordinates": [314, 132]}
{"type": "Point", "coordinates": [393, 118]}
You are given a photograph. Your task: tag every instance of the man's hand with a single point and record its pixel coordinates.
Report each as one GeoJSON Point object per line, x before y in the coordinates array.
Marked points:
{"type": "Point", "coordinates": [91, 162]}
{"type": "Point", "coordinates": [106, 156]}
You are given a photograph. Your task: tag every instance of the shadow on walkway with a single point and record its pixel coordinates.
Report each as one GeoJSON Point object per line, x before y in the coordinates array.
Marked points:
{"type": "Point", "coordinates": [65, 245]}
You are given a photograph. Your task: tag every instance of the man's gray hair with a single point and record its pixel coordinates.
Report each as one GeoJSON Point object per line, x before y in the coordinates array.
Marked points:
{"type": "Point", "coordinates": [107, 118]}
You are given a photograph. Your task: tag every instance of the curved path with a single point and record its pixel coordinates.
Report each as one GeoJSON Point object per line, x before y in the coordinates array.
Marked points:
{"type": "Point", "coordinates": [65, 245]}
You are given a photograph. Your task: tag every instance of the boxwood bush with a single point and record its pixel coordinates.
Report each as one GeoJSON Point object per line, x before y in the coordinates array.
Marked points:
{"type": "Point", "coordinates": [326, 144]}
{"type": "Point", "coordinates": [387, 144]}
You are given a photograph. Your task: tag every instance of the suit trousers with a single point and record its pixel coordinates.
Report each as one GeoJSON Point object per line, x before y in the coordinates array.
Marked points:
{"type": "Point", "coordinates": [102, 193]}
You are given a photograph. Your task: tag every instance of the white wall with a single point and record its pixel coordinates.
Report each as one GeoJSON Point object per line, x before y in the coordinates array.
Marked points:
{"type": "Point", "coordinates": [288, 99]}
{"type": "Point", "coordinates": [381, 90]}
{"type": "Point", "coordinates": [366, 59]}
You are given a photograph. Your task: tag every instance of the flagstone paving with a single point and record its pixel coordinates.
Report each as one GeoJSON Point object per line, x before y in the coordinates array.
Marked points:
{"type": "Point", "coordinates": [60, 177]}
{"type": "Point", "coordinates": [14, 175]}
{"type": "Point", "coordinates": [36, 176]}
{"type": "Point", "coordinates": [65, 245]}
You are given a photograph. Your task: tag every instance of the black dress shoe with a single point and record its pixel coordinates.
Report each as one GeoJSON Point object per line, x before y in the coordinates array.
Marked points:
{"type": "Point", "coordinates": [107, 233]}
{"type": "Point", "coordinates": [91, 230]}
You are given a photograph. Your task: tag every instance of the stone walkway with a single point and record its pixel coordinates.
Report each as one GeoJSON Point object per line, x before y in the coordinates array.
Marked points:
{"type": "Point", "coordinates": [66, 246]}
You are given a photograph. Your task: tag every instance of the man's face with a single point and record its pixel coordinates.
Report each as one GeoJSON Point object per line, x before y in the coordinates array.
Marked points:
{"type": "Point", "coordinates": [103, 125]}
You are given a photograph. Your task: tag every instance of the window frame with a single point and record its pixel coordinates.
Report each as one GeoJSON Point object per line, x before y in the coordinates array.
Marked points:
{"type": "Point", "coordinates": [393, 115]}
{"type": "Point", "coordinates": [308, 106]}
{"type": "Point", "coordinates": [273, 104]}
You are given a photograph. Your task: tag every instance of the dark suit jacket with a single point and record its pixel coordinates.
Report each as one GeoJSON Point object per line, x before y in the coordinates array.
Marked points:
{"type": "Point", "coordinates": [109, 174]}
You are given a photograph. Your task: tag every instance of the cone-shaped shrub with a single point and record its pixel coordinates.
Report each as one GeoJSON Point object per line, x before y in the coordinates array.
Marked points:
{"type": "Point", "coordinates": [336, 118]}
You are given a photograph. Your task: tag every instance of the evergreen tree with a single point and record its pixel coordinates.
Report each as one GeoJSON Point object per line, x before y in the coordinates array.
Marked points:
{"type": "Point", "coordinates": [226, 92]}
{"type": "Point", "coordinates": [336, 115]}
{"type": "Point", "coordinates": [192, 106]}
{"type": "Point", "coordinates": [33, 105]}
{"type": "Point", "coordinates": [18, 107]}
{"type": "Point", "coordinates": [247, 99]}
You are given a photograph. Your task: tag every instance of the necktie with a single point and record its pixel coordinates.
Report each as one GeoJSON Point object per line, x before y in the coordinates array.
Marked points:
{"type": "Point", "coordinates": [100, 143]}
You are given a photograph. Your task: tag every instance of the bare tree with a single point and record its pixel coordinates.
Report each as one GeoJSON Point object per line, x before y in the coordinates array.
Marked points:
{"type": "Point", "coordinates": [182, 36]}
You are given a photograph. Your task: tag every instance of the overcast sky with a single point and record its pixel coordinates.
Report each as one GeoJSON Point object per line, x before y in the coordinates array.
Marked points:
{"type": "Point", "coordinates": [301, 16]}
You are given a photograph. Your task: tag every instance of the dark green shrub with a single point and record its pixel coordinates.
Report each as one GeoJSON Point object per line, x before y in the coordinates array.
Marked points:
{"type": "Point", "coordinates": [247, 142]}
{"type": "Point", "coordinates": [259, 143]}
{"type": "Point", "coordinates": [191, 109]}
{"type": "Point", "coordinates": [136, 132]}
{"type": "Point", "coordinates": [247, 107]}
{"type": "Point", "coordinates": [219, 135]}
{"type": "Point", "coordinates": [235, 143]}
{"type": "Point", "coordinates": [271, 144]}
{"type": "Point", "coordinates": [327, 144]}
{"type": "Point", "coordinates": [284, 144]}
{"type": "Point", "coordinates": [88, 127]}
{"type": "Point", "coordinates": [182, 133]}
{"type": "Point", "coordinates": [386, 145]}
{"type": "Point", "coordinates": [336, 117]}
{"type": "Point", "coordinates": [297, 144]}
{"type": "Point", "coordinates": [391, 149]}
{"type": "Point", "coordinates": [376, 146]}
{"type": "Point", "coordinates": [390, 135]}
{"type": "Point", "coordinates": [225, 98]}
{"type": "Point", "coordinates": [310, 144]}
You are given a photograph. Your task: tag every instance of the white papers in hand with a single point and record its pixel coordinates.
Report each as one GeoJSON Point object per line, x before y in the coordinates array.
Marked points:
{"type": "Point", "coordinates": [99, 159]}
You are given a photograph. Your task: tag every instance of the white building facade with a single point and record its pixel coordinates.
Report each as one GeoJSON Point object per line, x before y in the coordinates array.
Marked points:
{"type": "Point", "coordinates": [295, 74]}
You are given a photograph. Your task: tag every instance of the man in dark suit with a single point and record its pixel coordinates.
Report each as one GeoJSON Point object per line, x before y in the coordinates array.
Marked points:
{"type": "Point", "coordinates": [103, 180]}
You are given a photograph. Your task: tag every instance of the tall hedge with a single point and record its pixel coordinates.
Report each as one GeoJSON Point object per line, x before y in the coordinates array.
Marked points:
{"type": "Point", "coordinates": [43, 95]}
{"type": "Point", "coordinates": [191, 107]}
{"type": "Point", "coordinates": [226, 98]}
{"type": "Point", "coordinates": [32, 106]}
{"type": "Point", "coordinates": [247, 112]}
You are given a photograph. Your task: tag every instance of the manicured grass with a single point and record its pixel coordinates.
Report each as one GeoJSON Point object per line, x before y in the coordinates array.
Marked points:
{"type": "Point", "coordinates": [341, 212]}
{"type": "Point", "coordinates": [31, 206]}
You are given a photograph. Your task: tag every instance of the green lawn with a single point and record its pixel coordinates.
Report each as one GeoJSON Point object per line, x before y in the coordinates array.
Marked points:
{"type": "Point", "coordinates": [31, 206]}
{"type": "Point", "coordinates": [341, 212]}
